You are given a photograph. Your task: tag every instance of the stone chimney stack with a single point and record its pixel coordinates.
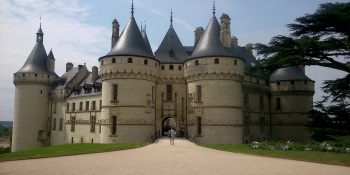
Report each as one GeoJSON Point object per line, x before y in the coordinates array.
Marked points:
{"type": "Point", "coordinates": [69, 66]}
{"type": "Point", "coordinates": [249, 47]}
{"type": "Point", "coordinates": [225, 30]}
{"type": "Point", "coordinates": [94, 76]}
{"type": "Point", "coordinates": [115, 32]}
{"type": "Point", "coordinates": [197, 35]}
{"type": "Point", "coordinates": [234, 42]}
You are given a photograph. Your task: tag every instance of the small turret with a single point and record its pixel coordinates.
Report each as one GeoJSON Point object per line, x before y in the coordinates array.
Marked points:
{"type": "Point", "coordinates": [69, 66]}
{"type": "Point", "coordinates": [115, 32]}
{"type": "Point", "coordinates": [51, 62]}
{"type": "Point", "coordinates": [197, 35]}
{"type": "Point", "coordinates": [225, 30]}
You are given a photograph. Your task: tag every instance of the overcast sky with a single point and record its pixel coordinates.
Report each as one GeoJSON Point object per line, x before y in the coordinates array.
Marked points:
{"type": "Point", "coordinates": [79, 31]}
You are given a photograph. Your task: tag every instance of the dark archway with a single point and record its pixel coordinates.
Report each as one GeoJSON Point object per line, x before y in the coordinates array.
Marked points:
{"type": "Point", "coordinates": [166, 124]}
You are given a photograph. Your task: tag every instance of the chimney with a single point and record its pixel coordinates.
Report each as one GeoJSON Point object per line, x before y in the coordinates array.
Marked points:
{"type": "Point", "coordinates": [234, 42]}
{"type": "Point", "coordinates": [197, 35]}
{"type": "Point", "coordinates": [115, 32]}
{"type": "Point", "coordinates": [225, 30]}
{"type": "Point", "coordinates": [249, 47]}
{"type": "Point", "coordinates": [94, 76]}
{"type": "Point", "coordinates": [69, 66]}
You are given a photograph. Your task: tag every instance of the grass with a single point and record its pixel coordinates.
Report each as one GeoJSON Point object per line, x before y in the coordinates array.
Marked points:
{"type": "Point", "coordinates": [331, 158]}
{"type": "Point", "coordinates": [67, 149]}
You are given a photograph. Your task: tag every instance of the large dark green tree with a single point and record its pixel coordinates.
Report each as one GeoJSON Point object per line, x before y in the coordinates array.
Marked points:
{"type": "Point", "coordinates": [318, 39]}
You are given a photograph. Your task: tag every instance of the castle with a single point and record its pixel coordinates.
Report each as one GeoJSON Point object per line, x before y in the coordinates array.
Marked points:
{"type": "Point", "coordinates": [205, 89]}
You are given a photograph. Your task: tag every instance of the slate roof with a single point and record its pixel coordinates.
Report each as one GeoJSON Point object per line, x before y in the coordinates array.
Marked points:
{"type": "Point", "coordinates": [289, 73]}
{"type": "Point", "coordinates": [130, 43]}
{"type": "Point", "coordinates": [210, 44]}
{"type": "Point", "coordinates": [171, 43]}
{"type": "Point", "coordinates": [145, 38]}
{"type": "Point", "coordinates": [36, 61]}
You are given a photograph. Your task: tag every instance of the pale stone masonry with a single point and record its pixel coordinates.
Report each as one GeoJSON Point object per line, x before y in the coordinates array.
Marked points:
{"type": "Point", "coordinates": [205, 89]}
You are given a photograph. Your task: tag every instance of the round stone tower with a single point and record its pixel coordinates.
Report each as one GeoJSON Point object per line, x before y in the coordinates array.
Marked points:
{"type": "Point", "coordinates": [291, 97]}
{"type": "Point", "coordinates": [33, 83]}
{"type": "Point", "coordinates": [214, 84]}
{"type": "Point", "coordinates": [129, 73]}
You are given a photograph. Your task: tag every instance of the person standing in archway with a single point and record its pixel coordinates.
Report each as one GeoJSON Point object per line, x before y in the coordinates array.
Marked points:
{"type": "Point", "coordinates": [172, 134]}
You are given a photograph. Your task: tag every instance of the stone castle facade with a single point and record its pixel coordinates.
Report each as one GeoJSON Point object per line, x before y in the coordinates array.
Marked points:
{"type": "Point", "coordinates": [133, 93]}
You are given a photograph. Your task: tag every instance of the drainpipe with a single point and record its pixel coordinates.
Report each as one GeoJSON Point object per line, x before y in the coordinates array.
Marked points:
{"type": "Point", "coordinates": [270, 133]}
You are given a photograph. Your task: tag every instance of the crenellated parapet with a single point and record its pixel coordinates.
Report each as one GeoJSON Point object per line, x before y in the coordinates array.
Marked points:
{"type": "Point", "coordinates": [128, 67]}
{"type": "Point", "coordinates": [214, 68]}
{"type": "Point", "coordinates": [293, 87]}
{"type": "Point", "coordinates": [33, 79]}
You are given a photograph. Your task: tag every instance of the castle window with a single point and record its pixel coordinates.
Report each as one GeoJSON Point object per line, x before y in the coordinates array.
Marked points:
{"type": "Point", "coordinates": [169, 91]}
{"type": "Point", "coordinates": [305, 82]}
{"type": "Point", "coordinates": [196, 62]}
{"type": "Point", "coordinates": [61, 124]}
{"type": "Point", "coordinates": [81, 106]}
{"type": "Point", "coordinates": [199, 93]}
{"type": "Point", "coordinates": [73, 107]}
{"type": "Point", "coordinates": [24, 74]}
{"type": "Point", "coordinates": [93, 105]}
{"type": "Point", "coordinates": [48, 76]}
{"type": "Point", "coordinates": [67, 107]}
{"type": "Point", "coordinates": [262, 103]}
{"type": "Point", "coordinates": [278, 83]}
{"type": "Point", "coordinates": [199, 125]}
{"type": "Point", "coordinates": [41, 91]}
{"type": "Point", "coordinates": [54, 124]}
{"type": "Point", "coordinates": [129, 60]}
{"type": "Point", "coordinates": [145, 62]}
{"type": "Point", "coordinates": [115, 92]}
{"type": "Point", "coordinates": [153, 94]}
{"type": "Point", "coordinates": [54, 108]}
{"type": "Point", "coordinates": [114, 125]}
{"type": "Point", "coordinates": [101, 62]}
{"type": "Point", "coordinates": [216, 61]}
{"type": "Point", "coordinates": [246, 124]}
{"type": "Point", "coordinates": [155, 65]}
{"type": "Point", "coordinates": [72, 125]}
{"type": "Point", "coordinates": [278, 104]}
{"type": "Point", "coordinates": [171, 67]}
{"type": "Point", "coordinates": [113, 60]}
{"type": "Point", "coordinates": [235, 62]}
{"type": "Point", "coordinates": [36, 75]}
{"type": "Point", "coordinates": [292, 82]}
{"type": "Point", "coordinates": [179, 68]}
{"type": "Point", "coordinates": [100, 104]}
{"type": "Point", "coordinates": [257, 81]}
{"type": "Point", "coordinates": [92, 122]}
{"type": "Point", "coordinates": [87, 106]}
{"type": "Point", "coordinates": [162, 67]}
{"type": "Point", "coordinates": [99, 130]}
{"type": "Point", "coordinates": [266, 82]}
{"type": "Point", "coordinates": [246, 101]}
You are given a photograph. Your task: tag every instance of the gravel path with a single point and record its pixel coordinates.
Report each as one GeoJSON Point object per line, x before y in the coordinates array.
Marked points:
{"type": "Point", "coordinates": [162, 158]}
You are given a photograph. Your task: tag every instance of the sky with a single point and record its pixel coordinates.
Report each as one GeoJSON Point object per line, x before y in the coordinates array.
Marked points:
{"type": "Point", "coordinates": [79, 31]}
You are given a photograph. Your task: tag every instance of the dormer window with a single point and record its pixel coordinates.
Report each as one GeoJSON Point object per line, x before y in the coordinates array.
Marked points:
{"type": "Point", "coordinates": [145, 62]}
{"type": "Point", "coordinates": [162, 67]}
{"type": "Point", "coordinates": [235, 62]}
{"type": "Point", "coordinates": [196, 62]}
{"type": "Point", "coordinates": [292, 82]}
{"type": "Point", "coordinates": [113, 60]}
{"type": "Point", "coordinates": [171, 67]}
{"type": "Point", "coordinates": [278, 83]}
{"type": "Point", "coordinates": [129, 60]}
{"type": "Point", "coordinates": [179, 68]}
{"type": "Point", "coordinates": [216, 61]}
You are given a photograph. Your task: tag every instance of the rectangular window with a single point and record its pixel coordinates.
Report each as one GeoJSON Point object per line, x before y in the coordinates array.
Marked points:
{"type": "Point", "coordinates": [93, 105]}
{"type": "Point", "coordinates": [54, 124]}
{"type": "Point", "coordinates": [153, 94]}
{"type": "Point", "coordinates": [115, 92]}
{"type": "Point", "coordinates": [54, 108]}
{"type": "Point", "coordinates": [72, 126]}
{"type": "Point", "coordinates": [199, 93]}
{"type": "Point", "coordinates": [61, 124]}
{"type": "Point", "coordinates": [100, 104]}
{"type": "Point", "coordinates": [199, 127]}
{"type": "Point", "coordinates": [87, 106]}
{"type": "Point", "coordinates": [114, 125]}
{"type": "Point", "coordinates": [81, 106]}
{"type": "Point", "coordinates": [169, 91]}
{"type": "Point", "coordinates": [67, 107]}
{"type": "Point", "coordinates": [92, 122]}
{"type": "Point", "coordinates": [262, 103]}
{"type": "Point", "coordinates": [100, 128]}
{"type": "Point", "coordinates": [278, 103]}
{"type": "Point", "coordinates": [246, 101]}
{"type": "Point", "coordinates": [73, 107]}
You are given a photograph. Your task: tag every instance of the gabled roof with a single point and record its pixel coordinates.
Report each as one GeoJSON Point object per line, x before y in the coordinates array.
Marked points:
{"type": "Point", "coordinates": [171, 49]}
{"type": "Point", "coordinates": [210, 44]}
{"type": "Point", "coordinates": [289, 73]}
{"type": "Point", "coordinates": [130, 43]}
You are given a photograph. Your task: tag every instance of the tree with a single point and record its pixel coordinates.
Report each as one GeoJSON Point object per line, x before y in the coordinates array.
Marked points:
{"type": "Point", "coordinates": [321, 39]}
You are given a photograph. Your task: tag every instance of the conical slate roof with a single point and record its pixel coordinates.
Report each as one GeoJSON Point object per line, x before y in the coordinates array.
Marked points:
{"type": "Point", "coordinates": [131, 42]}
{"type": "Point", "coordinates": [145, 38]}
{"type": "Point", "coordinates": [36, 61]}
{"type": "Point", "coordinates": [210, 44]}
{"type": "Point", "coordinates": [50, 56]}
{"type": "Point", "coordinates": [288, 73]}
{"type": "Point", "coordinates": [171, 49]}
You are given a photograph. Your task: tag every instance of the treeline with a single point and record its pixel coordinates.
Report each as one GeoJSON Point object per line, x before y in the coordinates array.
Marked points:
{"type": "Point", "coordinates": [5, 131]}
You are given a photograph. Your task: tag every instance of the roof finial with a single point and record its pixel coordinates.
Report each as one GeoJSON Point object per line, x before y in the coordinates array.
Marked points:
{"type": "Point", "coordinates": [171, 18]}
{"type": "Point", "coordinates": [214, 8]}
{"type": "Point", "coordinates": [40, 21]}
{"type": "Point", "coordinates": [145, 27]}
{"type": "Point", "coordinates": [132, 7]}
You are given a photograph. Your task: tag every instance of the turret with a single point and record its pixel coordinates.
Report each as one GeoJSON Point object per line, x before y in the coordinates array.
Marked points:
{"type": "Point", "coordinates": [225, 30]}
{"type": "Point", "coordinates": [69, 66]}
{"type": "Point", "coordinates": [94, 76]}
{"type": "Point", "coordinates": [197, 35]}
{"type": "Point", "coordinates": [115, 32]}
{"type": "Point", "coordinates": [234, 42]}
{"type": "Point", "coordinates": [51, 62]}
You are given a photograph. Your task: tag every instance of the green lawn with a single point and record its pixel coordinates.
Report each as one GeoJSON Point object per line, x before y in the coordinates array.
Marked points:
{"type": "Point", "coordinates": [308, 156]}
{"type": "Point", "coordinates": [68, 149]}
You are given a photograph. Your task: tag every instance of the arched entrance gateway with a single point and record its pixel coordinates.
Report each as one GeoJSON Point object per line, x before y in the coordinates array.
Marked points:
{"type": "Point", "coordinates": [167, 123]}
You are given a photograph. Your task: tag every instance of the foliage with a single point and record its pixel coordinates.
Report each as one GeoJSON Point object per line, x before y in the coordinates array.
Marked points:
{"type": "Point", "coordinates": [4, 150]}
{"type": "Point", "coordinates": [316, 39]}
{"type": "Point", "coordinates": [5, 130]}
